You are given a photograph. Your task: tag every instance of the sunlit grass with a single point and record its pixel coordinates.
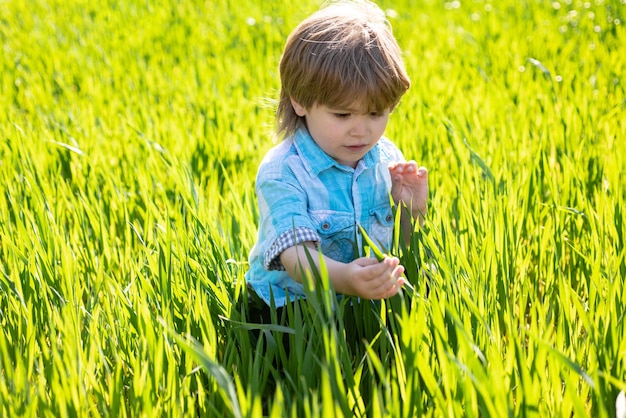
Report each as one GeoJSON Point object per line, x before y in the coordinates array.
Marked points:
{"type": "Point", "coordinates": [130, 136]}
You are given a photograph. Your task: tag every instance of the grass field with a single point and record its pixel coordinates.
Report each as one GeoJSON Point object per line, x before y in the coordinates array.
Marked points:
{"type": "Point", "coordinates": [130, 134]}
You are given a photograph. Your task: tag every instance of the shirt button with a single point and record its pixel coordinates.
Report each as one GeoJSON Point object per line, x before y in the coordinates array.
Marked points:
{"type": "Point", "coordinates": [389, 218]}
{"type": "Point", "coordinates": [325, 226]}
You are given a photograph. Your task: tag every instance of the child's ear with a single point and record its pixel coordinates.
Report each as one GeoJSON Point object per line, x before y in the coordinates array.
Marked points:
{"type": "Point", "coordinates": [298, 108]}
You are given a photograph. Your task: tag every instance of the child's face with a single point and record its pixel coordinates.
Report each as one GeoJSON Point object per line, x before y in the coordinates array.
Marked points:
{"type": "Point", "coordinates": [346, 134]}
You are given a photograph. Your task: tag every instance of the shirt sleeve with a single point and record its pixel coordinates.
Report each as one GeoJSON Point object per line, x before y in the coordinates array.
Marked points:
{"type": "Point", "coordinates": [284, 220]}
{"type": "Point", "coordinates": [286, 240]}
{"type": "Point", "coordinates": [389, 152]}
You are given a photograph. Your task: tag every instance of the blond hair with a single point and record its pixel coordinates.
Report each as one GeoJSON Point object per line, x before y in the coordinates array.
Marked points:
{"type": "Point", "coordinates": [343, 53]}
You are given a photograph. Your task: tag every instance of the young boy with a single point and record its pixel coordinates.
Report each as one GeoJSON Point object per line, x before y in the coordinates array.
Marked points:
{"type": "Point", "coordinates": [342, 74]}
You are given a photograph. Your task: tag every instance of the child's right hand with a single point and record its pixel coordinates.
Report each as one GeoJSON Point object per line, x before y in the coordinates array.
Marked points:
{"type": "Point", "coordinates": [364, 277]}
{"type": "Point", "coordinates": [372, 279]}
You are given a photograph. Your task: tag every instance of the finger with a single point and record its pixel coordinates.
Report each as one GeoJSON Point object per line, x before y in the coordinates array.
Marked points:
{"type": "Point", "coordinates": [372, 275]}
{"type": "Point", "coordinates": [397, 281]}
{"type": "Point", "coordinates": [390, 282]}
{"type": "Point", "coordinates": [394, 289]}
{"type": "Point", "coordinates": [386, 289]}
{"type": "Point", "coordinates": [383, 269]}
{"type": "Point", "coordinates": [397, 167]}
{"type": "Point", "coordinates": [391, 261]}
{"type": "Point", "coordinates": [398, 272]}
{"type": "Point", "coordinates": [411, 167]}
{"type": "Point", "coordinates": [396, 184]}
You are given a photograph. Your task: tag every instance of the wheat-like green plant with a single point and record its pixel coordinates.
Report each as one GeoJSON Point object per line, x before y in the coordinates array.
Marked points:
{"type": "Point", "coordinates": [130, 134]}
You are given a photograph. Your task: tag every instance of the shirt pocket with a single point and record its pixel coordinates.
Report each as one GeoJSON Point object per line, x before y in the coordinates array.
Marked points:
{"type": "Point", "coordinates": [380, 229]}
{"type": "Point", "coordinates": [337, 231]}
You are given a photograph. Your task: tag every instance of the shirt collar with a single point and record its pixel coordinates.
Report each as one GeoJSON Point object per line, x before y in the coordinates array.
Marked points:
{"type": "Point", "coordinates": [316, 160]}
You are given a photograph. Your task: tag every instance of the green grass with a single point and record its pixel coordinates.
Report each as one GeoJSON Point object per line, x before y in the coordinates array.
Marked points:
{"type": "Point", "coordinates": [130, 136]}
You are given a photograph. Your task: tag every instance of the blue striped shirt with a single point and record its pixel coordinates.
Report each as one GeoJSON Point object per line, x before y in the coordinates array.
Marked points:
{"type": "Point", "coordinates": [305, 195]}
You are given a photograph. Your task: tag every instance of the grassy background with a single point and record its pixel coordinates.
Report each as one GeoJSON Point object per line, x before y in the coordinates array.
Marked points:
{"type": "Point", "coordinates": [130, 136]}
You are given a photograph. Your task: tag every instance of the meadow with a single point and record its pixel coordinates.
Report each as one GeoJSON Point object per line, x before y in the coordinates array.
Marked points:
{"type": "Point", "coordinates": [130, 135]}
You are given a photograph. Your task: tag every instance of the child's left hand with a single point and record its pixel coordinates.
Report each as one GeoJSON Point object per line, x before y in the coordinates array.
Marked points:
{"type": "Point", "coordinates": [409, 184]}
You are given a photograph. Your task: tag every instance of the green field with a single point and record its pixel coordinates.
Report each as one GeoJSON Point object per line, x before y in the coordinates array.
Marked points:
{"type": "Point", "coordinates": [130, 135]}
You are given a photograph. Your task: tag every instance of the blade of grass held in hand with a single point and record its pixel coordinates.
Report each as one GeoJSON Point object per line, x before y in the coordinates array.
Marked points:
{"type": "Point", "coordinates": [380, 256]}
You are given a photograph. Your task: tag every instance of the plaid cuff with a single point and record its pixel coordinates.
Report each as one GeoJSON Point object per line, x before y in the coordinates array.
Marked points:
{"type": "Point", "coordinates": [285, 240]}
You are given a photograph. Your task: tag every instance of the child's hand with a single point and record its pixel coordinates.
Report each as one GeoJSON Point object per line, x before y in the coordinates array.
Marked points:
{"type": "Point", "coordinates": [409, 184]}
{"type": "Point", "coordinates": [372, 279]}
{"type": "Point", "coordinates": [364, 277]}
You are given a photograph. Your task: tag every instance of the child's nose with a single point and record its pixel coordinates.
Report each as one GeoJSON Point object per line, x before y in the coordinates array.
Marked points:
{"type": "Point", "coordinates": [359, 128]}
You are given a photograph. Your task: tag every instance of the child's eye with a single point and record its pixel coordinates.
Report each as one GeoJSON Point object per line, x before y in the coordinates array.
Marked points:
{"type": "Point", "coordinates": [376, 114]}
{"type": "Point", "coordinates": [342, 115]}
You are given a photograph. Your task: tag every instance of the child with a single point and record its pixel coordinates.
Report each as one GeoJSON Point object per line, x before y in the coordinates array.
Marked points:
{"type": "Point", "coordinates": [342, 74]}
